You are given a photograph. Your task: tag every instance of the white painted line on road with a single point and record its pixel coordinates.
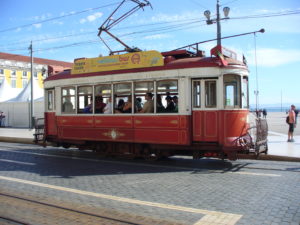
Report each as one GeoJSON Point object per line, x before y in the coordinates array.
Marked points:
{"type": "Point", "coordinates": [258, 174]}
{"type": "Point", "coordinates": [147, 165]}
{"type": "Point", "coordinates": [18, 162]}
{"type": "Point", "coordinates": [211, 217]}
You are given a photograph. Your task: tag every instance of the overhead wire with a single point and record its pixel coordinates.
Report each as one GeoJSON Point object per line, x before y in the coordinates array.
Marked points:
{"type": "Point", "coordinates": [56, 18]}
{"type": "Point", "coordinates": [171, 28]}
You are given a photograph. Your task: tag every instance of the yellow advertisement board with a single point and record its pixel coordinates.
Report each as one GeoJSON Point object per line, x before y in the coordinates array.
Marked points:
{"type": "Point", "coordinates": [118, 62]}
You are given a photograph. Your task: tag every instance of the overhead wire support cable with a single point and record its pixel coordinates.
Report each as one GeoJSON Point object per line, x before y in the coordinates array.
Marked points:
{"type": "Point", "coordinates": [58, 17]}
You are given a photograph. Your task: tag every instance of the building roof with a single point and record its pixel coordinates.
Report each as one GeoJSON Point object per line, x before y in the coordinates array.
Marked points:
{"type": "Point", "coordinates": [22, 58]}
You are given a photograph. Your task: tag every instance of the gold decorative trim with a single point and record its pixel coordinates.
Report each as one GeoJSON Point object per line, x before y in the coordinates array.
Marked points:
{"type": "Point", "coordinates": [174, 121]}
{"type": "Point", "coordinates": [138, 121]}
{"type": "Point", "coordinates": [98, 121]}
{"type": "Point", "coordinates": [128, 121]}
{"type": "Point", "coordinates": [90, 121]}
{"type": "Point", "coordinates": [113, 134]}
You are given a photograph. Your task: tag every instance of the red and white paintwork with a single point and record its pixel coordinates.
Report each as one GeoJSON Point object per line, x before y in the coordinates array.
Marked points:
{"type": "Point", "coordinates": [212, 131]}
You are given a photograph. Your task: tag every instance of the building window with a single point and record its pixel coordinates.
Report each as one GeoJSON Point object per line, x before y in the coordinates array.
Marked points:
{"type": "Point", "coordinates": [1, 71]}
{"type": "Point", "coordinates": [13, 83]}
{"type": "Point", "coordinates": [24, 73]}
{"type": "Point", "coordinates": [13, 73]}
{"type": "Point", "coordinates": [35, 74]}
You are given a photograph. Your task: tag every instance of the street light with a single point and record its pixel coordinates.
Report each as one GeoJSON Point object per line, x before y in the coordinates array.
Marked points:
{"type": "Point", "coordinates": [217, 20]}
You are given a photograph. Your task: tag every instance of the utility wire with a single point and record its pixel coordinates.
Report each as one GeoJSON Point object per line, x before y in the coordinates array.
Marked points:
{"type": "Point", "coordinates": [160, 30]}
{"type": "Point", "coordinates": [56, 18]}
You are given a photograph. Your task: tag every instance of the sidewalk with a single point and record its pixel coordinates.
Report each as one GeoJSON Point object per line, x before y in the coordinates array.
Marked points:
{"type": "Point", "coordinates": [279, 148]}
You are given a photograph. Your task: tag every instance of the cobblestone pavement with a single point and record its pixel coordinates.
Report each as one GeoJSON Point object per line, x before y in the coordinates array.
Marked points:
{"type": "Point", "coordinates": [175, 191]}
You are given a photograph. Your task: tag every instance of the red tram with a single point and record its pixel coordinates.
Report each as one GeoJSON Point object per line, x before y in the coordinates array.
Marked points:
{"type": "Point", "coordinates": [151, 104]}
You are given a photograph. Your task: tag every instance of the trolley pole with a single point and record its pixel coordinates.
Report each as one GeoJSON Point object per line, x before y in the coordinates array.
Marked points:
{"type": "Point", "coordinates": [31, 89]}
{"type": "Point", "coordinates": [218, 24]}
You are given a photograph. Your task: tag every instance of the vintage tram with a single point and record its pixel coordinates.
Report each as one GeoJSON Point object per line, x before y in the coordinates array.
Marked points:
{"type": "Point", "coordinates": [151, 104]}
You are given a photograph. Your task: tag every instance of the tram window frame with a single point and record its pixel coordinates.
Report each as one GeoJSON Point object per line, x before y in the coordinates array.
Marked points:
{"type": "Point", "coordinates": [72, 99]}
{"type": "Point", "coordinates": [197, 94]}
{"type": "Point", "coordinates": [140, 92]}
{"type": "Point", "coordinates": [87, 99]}
{"type": "Point", "coordinates": [102, 99]}
{"type": "Point", "coordinates": [125, 95]}
{"type": "Point", "coordinates": [232, 91]}
{"type": "Point", "coordinates": [210, 87]}
{"type": "Point", "coordinates": [245, 92]}
{"type": "Point", "coordinates": [166, 93]}
{"type": "Point", "coordinates": [50, 100]}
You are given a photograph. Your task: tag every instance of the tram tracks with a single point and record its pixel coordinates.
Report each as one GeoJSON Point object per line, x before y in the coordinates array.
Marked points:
{"type": "Point", "coordinates": [26, 211]}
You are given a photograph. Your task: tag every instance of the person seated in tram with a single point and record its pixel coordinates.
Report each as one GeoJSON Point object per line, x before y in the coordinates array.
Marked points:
{"type": "Point", "coordinates": [68, 106]}
{"type": "Point", "coordinates": [128, 105]}
{"type": "Point", "coordinates": [149, 104]}
{"type": "Point", "coordinates": [175, 100]}
{"type": "Point", "coordinates": [159, 106]}
{"type": "Point", "coordinates": [120, 106]}
{"type": "Point", "coordinates": [170, 104]}
{"type": "Point", "coordinates": [138, 104]}
{"type": "Point", "coordinates": [99, 104]}
{"type": "Point", "coordinates": [108, 108]}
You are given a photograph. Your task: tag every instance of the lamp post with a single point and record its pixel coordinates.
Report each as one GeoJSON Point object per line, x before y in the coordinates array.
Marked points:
{"type": "Point", "coordinates": [210, 21]}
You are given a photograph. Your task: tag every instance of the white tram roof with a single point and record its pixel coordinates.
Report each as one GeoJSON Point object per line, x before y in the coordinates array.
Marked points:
{"type": "Point", "coordinates": [148, 61]}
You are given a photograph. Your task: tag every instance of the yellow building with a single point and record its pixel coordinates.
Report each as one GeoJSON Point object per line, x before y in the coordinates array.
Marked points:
{"type": "Point", "coordinates": [16, 69]}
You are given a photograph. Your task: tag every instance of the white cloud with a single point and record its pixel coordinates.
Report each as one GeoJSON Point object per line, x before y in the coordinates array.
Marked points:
{"type": "Point", "coordinates": [271, 57]}
{"type": "Point", "coordinates": [37, 25]}
{"type": "Point", "coordinates": [91, 18]}
{"type": "Point", "coordinates": [156, 36]}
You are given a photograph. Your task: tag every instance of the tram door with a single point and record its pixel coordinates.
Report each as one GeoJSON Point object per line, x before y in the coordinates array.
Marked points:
{"type": "Point", "coordinates": [205, 114]}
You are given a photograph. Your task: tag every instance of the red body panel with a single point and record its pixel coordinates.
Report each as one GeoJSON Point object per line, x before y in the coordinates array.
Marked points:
{"type": "Point", "coordinates": [171, 129]}
{"type": "Point", "coordinates": [221, 127]}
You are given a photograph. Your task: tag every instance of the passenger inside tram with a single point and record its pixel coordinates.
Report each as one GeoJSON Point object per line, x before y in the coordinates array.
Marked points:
{"type": "Point", "coordinates": [149, 104]}
{"type": "Point", "coordinates": [159, 105]}
{"type": "Point", "coordinates": [175, 100]}
{"type": "Point", "coordinates": [128, 105]}
{"type": "Point", "coordinates": [170, 104]}
{"type": "Point", "coordinates": [108, 108]}
{"type": "Point", "coordinates": [99, 104]}
{"type": "Point", "coordinates": [120, 106]}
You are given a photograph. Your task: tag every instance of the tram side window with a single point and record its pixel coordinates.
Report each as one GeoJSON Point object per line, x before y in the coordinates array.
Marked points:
{"type": "Point", "coordinates": [167, 96]}
{"type": "Point", "coordinates": [232, 91]}
{"type": "Point", "coordinates": [197, 94]}
{"type": "Point", "coordinates": [50, 100]}
{"type": "Point", "coordinates": [103, 99]}
{"type": "Point", "coordinates": [210, 94]}
{"type": "Point", "coordinates": [143, 97]}
{"type": "Point", "coordinates": [68, 100]}
{"type": "Point", "coordinates": [245, 95]}
{"type": "Point", "coordinates": [122, 98]}
{"type": "Point", "coordinates": [85, 99]}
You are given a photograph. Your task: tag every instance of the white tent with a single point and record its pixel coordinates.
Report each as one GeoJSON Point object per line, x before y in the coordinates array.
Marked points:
{"type": "Point", "coordinates": [25, 94]}
{"type": "Point", "coordinates": [7, 92]}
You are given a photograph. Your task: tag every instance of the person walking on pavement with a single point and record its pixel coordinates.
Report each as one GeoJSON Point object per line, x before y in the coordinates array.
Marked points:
{"type": "Point", "coordinates": [291, 122]}
{"type": "Point", "coordinates": [2, 119]}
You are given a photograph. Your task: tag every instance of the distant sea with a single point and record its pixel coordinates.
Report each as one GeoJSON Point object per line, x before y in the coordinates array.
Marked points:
{"type": "Point", "coordinates": [273, 109]}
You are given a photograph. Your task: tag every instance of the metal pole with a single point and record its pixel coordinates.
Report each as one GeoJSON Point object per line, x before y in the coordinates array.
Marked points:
{"type": "Point", "coordinates": [218, 24]}
{"type": "Point", "coordinates": [31, 89]}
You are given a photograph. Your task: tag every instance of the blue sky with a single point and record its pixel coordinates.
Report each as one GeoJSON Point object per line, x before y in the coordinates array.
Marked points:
{"type": "Point", "coordinates": [169, 25]}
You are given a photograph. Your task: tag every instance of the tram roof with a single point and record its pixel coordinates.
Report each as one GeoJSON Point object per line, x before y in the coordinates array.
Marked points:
{"type": "Point", "coordinates": [178, 59]}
